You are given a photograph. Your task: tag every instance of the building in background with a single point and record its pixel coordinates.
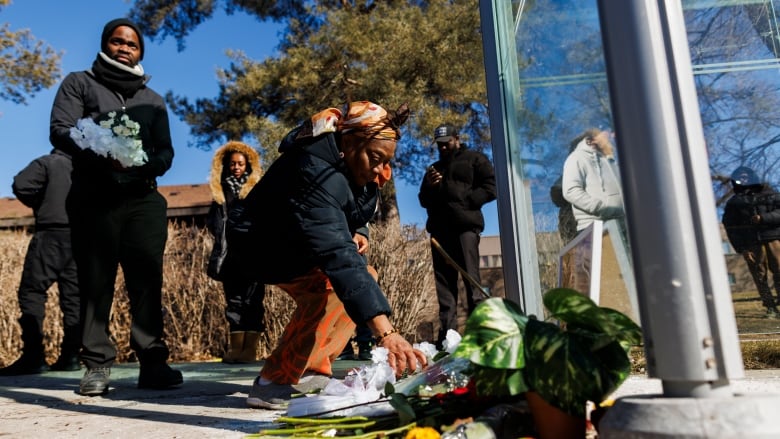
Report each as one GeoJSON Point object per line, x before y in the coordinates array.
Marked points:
{"type": "Point", "coordinates": [187, 204]}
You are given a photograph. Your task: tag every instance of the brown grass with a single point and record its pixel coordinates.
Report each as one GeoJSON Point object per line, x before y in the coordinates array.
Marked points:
{"type": "Point", "coordinates": [195, 327]}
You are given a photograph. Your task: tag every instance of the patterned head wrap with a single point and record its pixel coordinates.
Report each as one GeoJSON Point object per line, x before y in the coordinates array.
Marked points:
{"type": "Point", "coordinates": [363, 118]}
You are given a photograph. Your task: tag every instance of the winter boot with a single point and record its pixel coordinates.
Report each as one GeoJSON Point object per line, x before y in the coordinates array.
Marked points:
{"type": "Point", "coordinates": [32, 360]}
{"type": "Point", "coordinates": [158, 376]}
{"type": "Point", "coordinates": [249, 351]}
{"type": "Point", "coordinates": [27, 364]}
{"type": "Point", "coordinates": [235, 347]}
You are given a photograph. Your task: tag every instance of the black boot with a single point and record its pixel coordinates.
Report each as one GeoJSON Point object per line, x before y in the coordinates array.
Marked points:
{"type": "Point", "coordinates": [158, 376]}
{"type": "Point", "coordinates": [32, 360]}
{"type": "Point", "coordinates": [27, 364]}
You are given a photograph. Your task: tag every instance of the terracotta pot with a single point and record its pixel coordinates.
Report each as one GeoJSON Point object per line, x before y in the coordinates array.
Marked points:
{"type": "Point", "coordinates": [552, 422]}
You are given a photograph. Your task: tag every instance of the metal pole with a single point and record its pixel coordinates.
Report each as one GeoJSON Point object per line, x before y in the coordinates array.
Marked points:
{"type": "Point", "coordinates": [653, 124]}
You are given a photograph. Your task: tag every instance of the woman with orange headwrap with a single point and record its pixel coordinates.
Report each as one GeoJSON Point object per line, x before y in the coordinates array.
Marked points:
{"type": "Point", "coordinates": [304, 215]}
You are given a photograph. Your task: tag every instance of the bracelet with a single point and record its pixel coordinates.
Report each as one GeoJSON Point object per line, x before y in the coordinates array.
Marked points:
{"type": "Point", "coordinates": [378, 339]}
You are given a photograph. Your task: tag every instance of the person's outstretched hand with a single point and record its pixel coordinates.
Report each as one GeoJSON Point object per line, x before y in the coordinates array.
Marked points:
{"type": "Point", "coordinates": [402, 357]}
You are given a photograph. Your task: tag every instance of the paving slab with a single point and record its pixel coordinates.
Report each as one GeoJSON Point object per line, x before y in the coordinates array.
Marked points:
{"type": "Point", "coordinates": [210, 403]}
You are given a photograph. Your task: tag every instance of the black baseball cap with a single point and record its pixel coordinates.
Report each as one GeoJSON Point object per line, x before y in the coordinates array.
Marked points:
{"type": "Point", "coordinates": [444, 133]}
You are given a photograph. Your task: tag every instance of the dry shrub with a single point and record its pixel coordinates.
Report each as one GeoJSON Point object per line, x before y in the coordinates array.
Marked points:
{"type": "Point", "coordinates": [193, 303]}
{"type": "Point", "coordinates": [402, 256]}
{"type": "Point", "coordinates": [761, 354]}
{"type": "Point", "coordinates": [195, 322]}
{"type": "Point", "coordinates": [278, 310]}
{"type": "Point", "coordinates": [13, 246]}
{"type": "Point", "coordinates": [195, 326]}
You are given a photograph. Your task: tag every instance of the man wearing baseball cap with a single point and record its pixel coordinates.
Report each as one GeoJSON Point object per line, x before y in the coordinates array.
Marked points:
{"type": "Point", "coordinates": [453, 192]}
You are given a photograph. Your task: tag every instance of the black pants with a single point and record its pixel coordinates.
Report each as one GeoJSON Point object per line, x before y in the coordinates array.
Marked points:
{"type": "Point", "coordinates": [463, 248]}
{"type": "Point", "coordinates": [244, 308]}
{"type": "Point", "coordinates": [126, 230]}
{"type": "Point", "coordinates": [49, 259]}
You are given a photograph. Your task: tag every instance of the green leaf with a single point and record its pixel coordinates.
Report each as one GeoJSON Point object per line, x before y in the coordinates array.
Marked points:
{"type": "Point", "coordinates": [494, 335]}
{"type": "Point", "coordinates": [499, 382]}
{"type": "Point", "coordinates": [579, 312]}
{"type": "Point", "coordinates": [389, 388]}
{"type": "Point", "coordinates": [584, 358]}
{"type": "Point", "coordinates": [401, 405]}
{"type": "Point", "coordinates": [566, 370]}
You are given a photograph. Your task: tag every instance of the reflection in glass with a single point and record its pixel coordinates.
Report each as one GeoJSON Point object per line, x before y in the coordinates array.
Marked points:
{"type": "Point", "coordinates": [735, 48]}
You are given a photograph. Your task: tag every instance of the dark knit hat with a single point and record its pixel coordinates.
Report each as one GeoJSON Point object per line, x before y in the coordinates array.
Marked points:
{"type": "Point", "coordinates": [108, 29]}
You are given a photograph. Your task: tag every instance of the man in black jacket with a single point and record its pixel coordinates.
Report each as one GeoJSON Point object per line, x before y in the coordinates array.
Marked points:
{"type": "Point", "coordinates": [43, 186]}
{"type": "Point", "coordinates": [752, 221]}
{"type": "Point", "coordinates": [453, 192]}
{"type": "Point", "coordinates": [117, 215]}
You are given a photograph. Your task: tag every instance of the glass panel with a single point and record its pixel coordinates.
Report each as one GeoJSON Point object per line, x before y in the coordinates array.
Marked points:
{"type": "Point", "coordinates": [563, 91]}
{"type": "Point", "coordinates": [734, 49]}
{"type": "Point", "coordinates": [565, 114]}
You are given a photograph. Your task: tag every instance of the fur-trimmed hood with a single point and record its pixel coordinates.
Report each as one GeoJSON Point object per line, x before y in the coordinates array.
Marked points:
{"type": "Point", "coordinates": [215, 176]}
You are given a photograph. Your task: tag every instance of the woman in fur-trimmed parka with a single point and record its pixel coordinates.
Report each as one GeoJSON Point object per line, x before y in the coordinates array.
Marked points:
{"type": "Point", "coordinates": [235, 169]}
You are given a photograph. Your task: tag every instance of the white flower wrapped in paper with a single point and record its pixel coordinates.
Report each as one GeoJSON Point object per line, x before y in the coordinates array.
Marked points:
{"type": "Point", "coordinates": [112, 138]}
{"type": "Point", "coordinates": [348, 397]}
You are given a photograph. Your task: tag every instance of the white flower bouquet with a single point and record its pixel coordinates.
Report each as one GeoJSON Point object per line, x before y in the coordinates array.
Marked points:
{"type": "Point", "coordinates": [115, 138]}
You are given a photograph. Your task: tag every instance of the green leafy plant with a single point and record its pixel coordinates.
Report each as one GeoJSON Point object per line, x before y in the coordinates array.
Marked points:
{"type": "Point", "coordinates": [580, 355]}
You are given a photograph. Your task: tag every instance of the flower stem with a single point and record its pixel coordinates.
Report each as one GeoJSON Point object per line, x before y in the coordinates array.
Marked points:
{"type": "Point", "coordinates": [301, 421]}
{"type": "Point", "coordinates": [317, 427]}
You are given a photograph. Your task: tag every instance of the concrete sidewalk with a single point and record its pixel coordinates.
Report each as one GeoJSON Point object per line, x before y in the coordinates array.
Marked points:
{"type": "Point", "coordinates": [210, 404]}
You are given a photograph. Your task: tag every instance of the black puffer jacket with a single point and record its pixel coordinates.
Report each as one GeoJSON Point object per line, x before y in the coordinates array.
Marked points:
{"type": "Point", "coordinates": [81, 95]}
{"type": "Point", "coordinates": [748, 201]}
{"type": "Point", "coordinates": [304, 212]}
{"type": "Point", "coordinates": [468, 183]}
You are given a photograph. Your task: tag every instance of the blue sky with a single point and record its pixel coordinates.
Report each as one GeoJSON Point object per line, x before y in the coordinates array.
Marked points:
{"type": "Point", "coordinates": [74, 26]}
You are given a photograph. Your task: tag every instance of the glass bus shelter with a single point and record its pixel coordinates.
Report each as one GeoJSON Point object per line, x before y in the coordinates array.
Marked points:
{"type": "Point", "coordinates": [686, 93]}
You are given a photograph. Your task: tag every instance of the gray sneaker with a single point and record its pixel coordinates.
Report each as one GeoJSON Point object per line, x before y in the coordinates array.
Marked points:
{"type": "Point", "coordinates": [277, 396]}
{"type": "Point", "coordinates": [95, 381]}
